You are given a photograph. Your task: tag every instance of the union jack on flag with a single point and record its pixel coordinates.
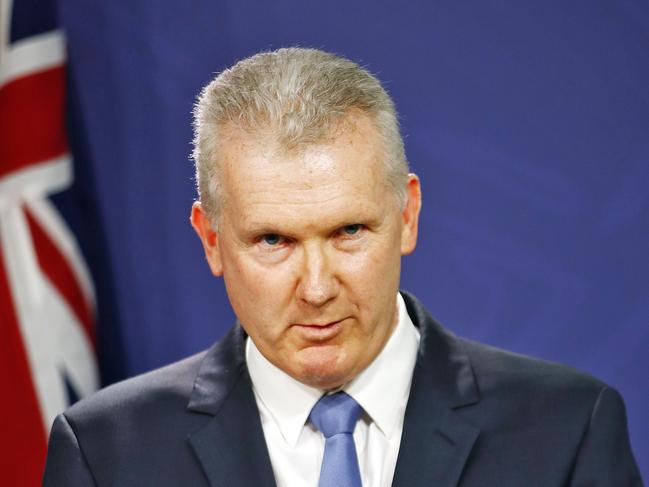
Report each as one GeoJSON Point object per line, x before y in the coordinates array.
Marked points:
{"type": "Point", "coordinates": [47, 303]}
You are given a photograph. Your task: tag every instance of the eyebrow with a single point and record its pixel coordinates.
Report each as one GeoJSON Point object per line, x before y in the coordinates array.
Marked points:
{"type": "Point", "coordinates": [258, 229]}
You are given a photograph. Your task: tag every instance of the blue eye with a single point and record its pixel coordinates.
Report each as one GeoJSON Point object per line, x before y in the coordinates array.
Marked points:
{"type": "Point", "coordinates": [352, 229]}
{"type": "Point", "coordinates": [271, 239]}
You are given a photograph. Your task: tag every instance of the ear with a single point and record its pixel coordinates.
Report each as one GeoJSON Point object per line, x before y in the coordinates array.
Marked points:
{"type": "Point", "coordinates": [209, 238]}
{"type": "Point", "coordinates": [410, 215]}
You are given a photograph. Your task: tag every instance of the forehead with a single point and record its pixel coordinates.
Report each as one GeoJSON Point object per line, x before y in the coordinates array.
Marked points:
{"type": "Point", "coordinates": [341, 175]}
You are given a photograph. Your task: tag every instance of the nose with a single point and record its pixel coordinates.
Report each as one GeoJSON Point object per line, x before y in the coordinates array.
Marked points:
{"type": "Point", "coordinates": [318, 283]}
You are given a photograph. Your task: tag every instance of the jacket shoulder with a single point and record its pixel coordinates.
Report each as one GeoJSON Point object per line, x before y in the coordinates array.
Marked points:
{"type": "Point", "coordinates": [168, 387]}
{"type": "Point", "coordinates": [504, 374]}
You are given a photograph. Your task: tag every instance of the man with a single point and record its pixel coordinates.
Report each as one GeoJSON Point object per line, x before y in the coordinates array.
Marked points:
{"type": "Point", "coordinates": [331, 377]}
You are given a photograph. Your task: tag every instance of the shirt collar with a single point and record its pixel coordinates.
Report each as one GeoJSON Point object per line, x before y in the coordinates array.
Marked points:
{"type": "Point", "coordinates": [382, 389]}
{"type": "Point", "coordinates": [289, 402]}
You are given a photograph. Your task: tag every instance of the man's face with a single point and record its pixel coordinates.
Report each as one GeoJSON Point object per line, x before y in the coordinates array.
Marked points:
{"type": "Point", "coordinates": [309, 245]}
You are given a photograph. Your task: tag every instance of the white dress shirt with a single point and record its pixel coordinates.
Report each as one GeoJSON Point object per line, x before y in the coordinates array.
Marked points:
{"type": "Point", "coordinates": [296, 447]}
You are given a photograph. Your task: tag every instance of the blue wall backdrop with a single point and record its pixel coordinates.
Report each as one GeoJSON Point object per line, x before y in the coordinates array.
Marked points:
{"type": "Point", "coordinates": [528, 123]}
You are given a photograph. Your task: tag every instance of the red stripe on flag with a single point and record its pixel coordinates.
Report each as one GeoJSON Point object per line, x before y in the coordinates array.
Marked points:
{"type": "Point", "coordinates": [32, 123]}
{"type": "Point", "coordinates": [55, 266]}
{"type": "Point", "coordinates": [23, 436]}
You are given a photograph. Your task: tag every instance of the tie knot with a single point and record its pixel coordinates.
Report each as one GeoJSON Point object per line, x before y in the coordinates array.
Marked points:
{"type": "Point", "coordinates": [335, 413]}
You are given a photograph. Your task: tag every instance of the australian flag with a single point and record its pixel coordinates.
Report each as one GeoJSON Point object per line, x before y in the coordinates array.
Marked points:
{"type": "Point", "coordinates": [50, 241]}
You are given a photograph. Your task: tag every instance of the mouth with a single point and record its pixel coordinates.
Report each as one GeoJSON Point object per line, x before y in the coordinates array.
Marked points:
{"type": "Point", "coordinates": [319, 332]}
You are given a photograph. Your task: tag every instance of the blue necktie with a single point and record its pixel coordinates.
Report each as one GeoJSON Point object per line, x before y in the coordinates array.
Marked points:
{"type": "Point", "coordinates": [335, 416]}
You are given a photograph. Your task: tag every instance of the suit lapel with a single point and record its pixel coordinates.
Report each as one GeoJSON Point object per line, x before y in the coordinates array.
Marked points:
{"type": "Point", "coordinates": [435, 445]}
{"type": "Point", "coordinates": [230, 446]}
{"type": "Point", "coordinates": [436, 441]}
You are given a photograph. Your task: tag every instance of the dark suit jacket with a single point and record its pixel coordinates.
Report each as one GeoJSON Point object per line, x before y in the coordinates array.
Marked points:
{"type": "Point", "coordinates": [476, 416]}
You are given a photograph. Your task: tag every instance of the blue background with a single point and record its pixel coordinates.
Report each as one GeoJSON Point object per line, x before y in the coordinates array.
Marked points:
{"type": "Point", "coordinates": [528, 123]}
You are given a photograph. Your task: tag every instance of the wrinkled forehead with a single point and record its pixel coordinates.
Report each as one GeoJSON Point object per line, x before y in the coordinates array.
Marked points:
{"type": "Point", "coordinates": [330, 181]}
{"type": "Point", "coordinates": [351, 149]}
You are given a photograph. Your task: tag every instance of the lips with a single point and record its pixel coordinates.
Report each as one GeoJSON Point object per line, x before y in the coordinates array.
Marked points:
{"type": "Point", "coordinates": [319, 332]}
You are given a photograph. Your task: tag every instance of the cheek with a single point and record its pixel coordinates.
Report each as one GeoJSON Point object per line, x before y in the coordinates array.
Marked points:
{"type": "Point", "coordinates": [259, 296]}
{"type": "Point", "coordinates": [378, 263]}
{"type": "Point", "coordinates": [372, 277]}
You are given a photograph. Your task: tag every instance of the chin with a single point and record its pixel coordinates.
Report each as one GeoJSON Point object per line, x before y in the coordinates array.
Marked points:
{"type": "Point", "coordinates": [323, 369]}
{"type": "Point", "coordinates": [324, 382]}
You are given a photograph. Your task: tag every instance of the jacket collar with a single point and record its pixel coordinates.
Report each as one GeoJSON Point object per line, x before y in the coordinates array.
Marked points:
{"type": "Point", "coordinates": [230, 446]}
{"type": "Point", "coordinates": [435, 442]}
{"type": "Point", "coordinates": [223, 366]}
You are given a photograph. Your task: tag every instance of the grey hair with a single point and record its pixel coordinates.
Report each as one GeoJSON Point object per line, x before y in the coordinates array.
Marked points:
{"type": "Point", "coordinates": [298, 94]}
